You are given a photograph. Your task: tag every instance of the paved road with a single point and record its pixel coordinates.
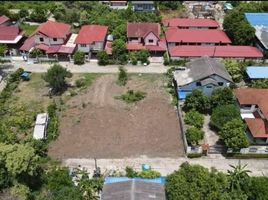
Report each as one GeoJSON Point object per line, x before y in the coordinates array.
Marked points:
{"type": "Point", "coordinates": [91, 67]}
{"type": "Point", "coordinates": [166, 166]}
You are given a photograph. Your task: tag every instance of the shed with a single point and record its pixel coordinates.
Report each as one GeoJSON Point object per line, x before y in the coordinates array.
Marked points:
{"type": "Point", "coordinates": [40, 126]}
{"type": "Point", "coordinates": [134, 190]}
{"type": "Point", "coordinates": [257, 72]}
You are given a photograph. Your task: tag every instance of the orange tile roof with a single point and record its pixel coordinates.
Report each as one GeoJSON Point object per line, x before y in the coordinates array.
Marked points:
{"type": "Point", "coordinates": [258, 127]}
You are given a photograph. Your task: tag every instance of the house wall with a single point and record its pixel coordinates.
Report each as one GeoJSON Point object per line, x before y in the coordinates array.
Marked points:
{"type": "Point", "coordinates": [47, 40]}
{"type": "Point", "coordinates": [205, 89]}
{"type": "Point", "coordinates": [139, 6]}
{"type": "Point", "coordinates": [247, 109]}
{"type": "Point", "coordinates": [151, 36]}
{"type": "Point", "coordinates": [134, 40]}
{"type": "Point", "coordinates": [97, 46]}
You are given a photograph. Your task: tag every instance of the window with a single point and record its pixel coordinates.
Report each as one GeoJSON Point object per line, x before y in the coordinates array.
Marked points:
{"type": "Point", "coordinates": [41, 39]}
{"type": "Point", "coordinates": [209, 86]}
{"type": "Point", "coordinates": [54, 39]}
{"type": "Point", "coordinates": [151, 41]}
{"type": "Point", "coordinates": [198, 83]}
{"type": "Point", "coordinates": [220, 83]}
{"type": "Point", "coordinates": [83, 45]}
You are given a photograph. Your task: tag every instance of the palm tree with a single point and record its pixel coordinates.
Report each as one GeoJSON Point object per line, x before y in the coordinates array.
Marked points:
{"type": "Point", "coordinates": [238, 175]}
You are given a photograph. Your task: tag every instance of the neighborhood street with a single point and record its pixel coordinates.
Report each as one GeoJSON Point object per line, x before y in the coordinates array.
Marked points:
{"type": "Point", "coordinates": [165, 166]}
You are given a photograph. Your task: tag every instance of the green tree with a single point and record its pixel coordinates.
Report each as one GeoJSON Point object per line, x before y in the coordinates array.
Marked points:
{"type": "Point", "coordinates": [23, 13]}
{"type": "Point", "coordinates": [194, 135]}
{"type": "Point", "coordinates": [21, 191]}
{"type": "Point", "coordinates": [262, 83]}
{"type": "Point", "coordinates": [122, 76]}
{"type": "Point", "coordinates": [169, 5]}
{"type": "Point", "coordinates": [36, 53]}
{"type": "Point", "coordinates": [39, 14]}
{"type": "Point", "coordinates": [103, 58]}
{"type": "Point", "coordinates": [143, 55]}
{"type": "Point", "coordinates": [257, 186]}
{"type": "Point", "coordinates": [79, 58]}
{"type": "Point", "coordinates": [223, 114]}
{"type": "Point", "coordinates": [119, 50]}
{"type": "Point", "coordinates": [3, 49]}
{"type": "Point", "coordinates": [197, 101]}
{"type": "Point", "coordinates": [235, 69]}
{"type": "Point", "coordinates": [56, 76]}
{"type": "Point", "coordinates": [238, 176]}
{"type": "Point", "coordinates": [120, 32]}
{"type": "Point", "coordinates": [4, 176]}
{"type": "Point", "coordinates": [233, 134]}
{"type": "Point", "coordinates": [244, 34]}
{"type": "Point", "coordinates": [194, 118]}
{"type": "Point", "coordinates": [84, 18]}
{"type": "Point", "coordinates": [222, 96]}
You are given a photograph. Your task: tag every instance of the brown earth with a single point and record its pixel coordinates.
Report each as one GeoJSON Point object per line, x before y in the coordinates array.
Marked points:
{"type": "Point", "coordinates": [97, 125]}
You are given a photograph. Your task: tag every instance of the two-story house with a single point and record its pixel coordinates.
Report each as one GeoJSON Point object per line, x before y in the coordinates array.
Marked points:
{"type": "Point", "coordinates": [254, 110]}
{"type": "Point", "coordinates": [145, 36]}
{"type": "Point", "coordinates": [205, 74]}
{"type": "Point", "coordinates": [188, 23]}
{"type": "Point", "coordinates": [143, 6]}
{"type": "Point", "coordinates": [91, 39]}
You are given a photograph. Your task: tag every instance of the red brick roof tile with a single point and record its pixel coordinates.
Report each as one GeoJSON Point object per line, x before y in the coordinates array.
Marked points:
{"type": "Point", "coordinates": [142, 29]}
{"type": "Point", "coordinates": [91, 33]}
{"type": "Point", "coordinates": [187, 22]}
{"type": "Point", "coordinates": [54, 29]}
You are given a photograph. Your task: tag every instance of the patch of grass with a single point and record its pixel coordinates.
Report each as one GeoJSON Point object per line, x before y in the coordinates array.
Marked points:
{"type": "Point", "coordinates": [132, 96]}
{"type": "Point", "coordinates": [150, 77]}
{"type": "Point", "coordinates": [29, 29]}
{"type": "Point", "coordinates": [86, 80]}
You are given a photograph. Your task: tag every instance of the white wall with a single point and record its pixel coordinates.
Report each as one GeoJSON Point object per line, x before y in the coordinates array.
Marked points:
{"type": "Point", "coordinates": [47, 40]}
{"type": "Point", "coordinates": [97, 46]}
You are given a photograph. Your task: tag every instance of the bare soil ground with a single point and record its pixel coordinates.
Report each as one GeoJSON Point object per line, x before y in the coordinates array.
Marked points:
{"type": "Point", "coordinates": [95, 124]}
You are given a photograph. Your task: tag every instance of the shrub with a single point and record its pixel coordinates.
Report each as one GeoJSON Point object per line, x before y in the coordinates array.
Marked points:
{"type": "Point", "coordinates": [149, 174]}
{"type": "Point", "coordinates": [21, 191]}
{"type": "Point", "coordinates": [143, 55]}
{"type": "Point", "coordinates": [223, 114]}
{"type": "Point", "coordinates": [103, 58]}
{"type": "Point", "coordinates": [194, 118]}
{"type": "Point", "coordinates": [222, 96]}
{"type": "Point", "coordinates": [80, 83]}
{"type": "Point", "coordinates": [132, 96]}
{"type": "Point", "coordinates": [194, 155]}
{"type": "Point", "coordinates": [79, 58]}
{"type": "Point", "coordinates": [122, 76]}
{"type": "Point", "coordinates": [235, 69]}
{"type": "Point", "coordinates": [193, 135]}
{"type": "Point", "coordinates": [166, 59]}
{"type": "Point", "coordinates": [130, 172]}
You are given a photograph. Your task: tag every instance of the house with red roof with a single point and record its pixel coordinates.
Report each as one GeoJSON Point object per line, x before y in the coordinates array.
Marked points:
{"type": "Point", "coordinates": [91, 38]}
{"type": "Point", "coordinates": [12, 37]}
{"type": "Point", "coordinates": [4, 21]}
{"type": "Point", "coordinates": [254, 111]}
{"type": "Point", "coordinates": [145, 36]}
{"type": "Point", "coordinates": [210, 37]}
{"type": "Point", "coordinates": [188, 23]}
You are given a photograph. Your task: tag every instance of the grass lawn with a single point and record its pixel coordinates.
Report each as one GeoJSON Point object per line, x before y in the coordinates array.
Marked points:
{"type": "Point", "coordinates": [29, 29]}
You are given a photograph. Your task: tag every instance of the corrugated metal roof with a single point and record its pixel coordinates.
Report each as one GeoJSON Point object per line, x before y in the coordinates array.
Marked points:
{"type": "Point", "coordinates": [160, 180]}
{"type": "Point", "coordinates": [257, 72]}
{"type": "Point", "coordinates": [257, 19]}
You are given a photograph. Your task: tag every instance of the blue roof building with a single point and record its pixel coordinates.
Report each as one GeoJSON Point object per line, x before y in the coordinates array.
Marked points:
{"type": "Point", "coordinates": [257, 72]}
{"type": "Point", "coordinates": [257, 19]}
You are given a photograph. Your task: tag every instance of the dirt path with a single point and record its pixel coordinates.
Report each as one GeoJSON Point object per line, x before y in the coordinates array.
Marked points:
{"type": "Point", "coordinates": [108, 128]}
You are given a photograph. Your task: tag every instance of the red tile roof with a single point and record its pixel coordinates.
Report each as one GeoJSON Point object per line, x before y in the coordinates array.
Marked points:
{"type": "Point", "coordinates": [54, 29]}
{"type": "Point", "coordinates": [197, 36]}
{"type": "Point", "coordinates": [3, 19]}
{"type": "Point", "coordinates": [91, 33]}
{"type": "Point", "coordinates": [28, 44]}
{"type": "Point", "coordinates": [160, 47]}
{"type": "Point", "coordinates": [258, 127]}
{"type": "Point", "coordinates": [140, 30]}
{"type": "Point", "coordinates": [187, 22]}
{"type": "Point", "coordinates": [9, 32]}
{"type": "Point", "coordinates": [134, 46]}
{"type": "Point", "coordinates": [43, 47]}
{"type": "Point", "coordinates": [215, 51]}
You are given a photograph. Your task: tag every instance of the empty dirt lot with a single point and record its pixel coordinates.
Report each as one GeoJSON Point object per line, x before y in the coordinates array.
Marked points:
{"type": "Point", "coordinates": [95, 124]}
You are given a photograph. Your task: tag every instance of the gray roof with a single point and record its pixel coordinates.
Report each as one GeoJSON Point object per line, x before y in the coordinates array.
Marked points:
{"type": "Point", "coordinates": [262, 34]}
{"type": "Point", "coordinates": [133, 190]}
{"type": "Point", "coordinates": [142, 2]}
{"type": "Point", "coordinates": [199, 69]}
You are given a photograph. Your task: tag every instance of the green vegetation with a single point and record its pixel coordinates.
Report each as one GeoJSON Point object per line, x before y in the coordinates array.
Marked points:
{"type": "Point", "coordinates": [119, 51]}
{"type": "Point", "coordinates": [169, 5]}
{"type": "Point", "coordinates": [122, 76]}
{"type": "Point", "coordinates": [194, 135]}
{"type": "Point", "coordinates": [222, 96]}
{"type": "Point", "coordinates": [141, 56]}
{"type": "Point", "coordinates": [235, 69]}
{"type": "Point", "coordinates": [262, 83]}
{"type": "Point", "coordinates": [131, 173]}
{"type": "Point", "coordinates": [29, 29]}
{"type": "Point", "coordinates": [223, 114]}
{"type": "Point", "coordinates": [132, 96]}
{"type": "Point", "coordinates": [3, 49]}
{"type": "Point", "coordinates": [233, 134]}
{"type": "Point", "coordinates": [194, 155]}
{"type": "Point", "coordinates": [79, 58]}
{"type": "Point", "coordinates": [194, 118]}
{"type": "Point", "coordinates": [86, 80]}
{"type": "Point", "coordinates": [103, 58]}
{"type": "Point", "coordinates": [56, 76]}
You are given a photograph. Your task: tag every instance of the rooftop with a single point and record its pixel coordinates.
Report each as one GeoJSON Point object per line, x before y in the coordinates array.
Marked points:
{"type": "Point", "coordinates": [10, 34]}
{"type": "Point", "coordinates": [257, 72]}
{"type": "Point", "coordinates": [3, 19]}
{"type": "Point", "coordinates": [142, 29]}
{"type": "Point", "coordinates": [187, 22]}
{"type": "Point", "coordinates": [91, 33]}
{"type": "Point", "coordinates": [257, 19]}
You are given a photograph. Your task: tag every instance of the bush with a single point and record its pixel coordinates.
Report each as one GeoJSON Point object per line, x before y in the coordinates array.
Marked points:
{"type": "Point", "coordinates": [21, 191]}
{"type": "Point", "coordinates": [259, 83]}
{"type": "Point", "coordinates": [79, 58]}
{"type": "Point", "coordinates": [80, 83]}
{"type": "Point", "coordinates": [193, 135]}
{"type": "Point", "coordinates": [222, 96]}
{"type": "Point", "coordinates": [223, 114]}
{"type": "Point", "coordinates": [122, 76]}
{"type": "Point", "coordinates": [132, 96]}
{"type": "Point", "coordinates": [235, 69]}
{"type": "Point", "coordinates": [103, 58]}
{"type": "Point", "coordinates": [246, 156]}
{"type": "Point", "coordinates": [143, 55]}
{"type": "Point", "coordinates": [130, 172]}
{"type": "Point", "coordinates": [166, 59]}
{"type": "Point", "coordinates": [53, 124]}
{"type": "Point", "coordinates": [149, 174]}
{"type": "Point", "coordinates": [194, 118]}
{"type": "Point", "coordinates": [194, 155]}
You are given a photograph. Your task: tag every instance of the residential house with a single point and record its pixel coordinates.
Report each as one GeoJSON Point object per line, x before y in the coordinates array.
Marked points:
{"type": "Point", "coordinates": [143, 6]}
{"type": "Point", "coordinates": [53, 38]}
{"type": "Point", "coordinates": [4, 21]}
{"type": "Point", "coordinates": [254, 110]}
{"type": "Point", "coordinates": [205, 74]}
{"type": "Point", "coordinates": [257, 72]}
{"type": "Point", "coordinates": [212, 37]}
{"type": "Point", "coordinates": [136, 189]}
{"type": "Point", "coordinates": [260, 22]}
{"type": "Point", "coordinates": [12, 37]}
{"type": "Point", "coordinates": [91, 39]}
{"type": "Point", "coordinates": [145, 36]}
{"type": "Point", "coordinates": [188, 23]}
{"type": "Point", "coordinates": [242, 53]}
{"type": "Point", "coordinates": [116, 4]}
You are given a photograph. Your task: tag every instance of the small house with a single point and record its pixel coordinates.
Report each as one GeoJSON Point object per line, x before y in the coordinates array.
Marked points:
{"type": "Point", "coordinates": [143, 6]}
